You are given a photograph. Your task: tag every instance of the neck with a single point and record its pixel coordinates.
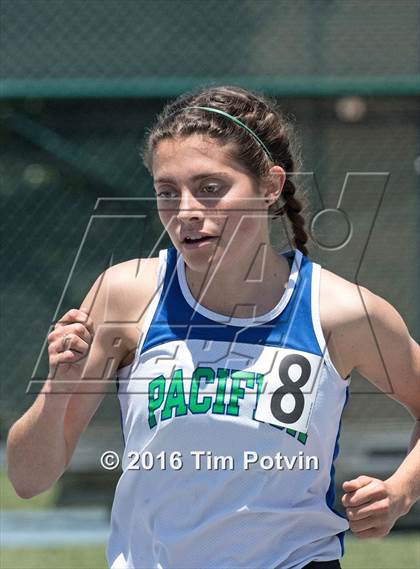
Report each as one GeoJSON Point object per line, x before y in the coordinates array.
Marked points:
{"type": "Point", "coordinates": [247, 288]}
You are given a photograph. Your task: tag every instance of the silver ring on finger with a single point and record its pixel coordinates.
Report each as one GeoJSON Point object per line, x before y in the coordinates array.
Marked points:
{"type": "Point", "coordinates": [63, 342]}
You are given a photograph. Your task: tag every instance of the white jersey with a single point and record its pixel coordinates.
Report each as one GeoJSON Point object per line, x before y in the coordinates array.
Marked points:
{"type": "Point", "coordinates": [231, 430]}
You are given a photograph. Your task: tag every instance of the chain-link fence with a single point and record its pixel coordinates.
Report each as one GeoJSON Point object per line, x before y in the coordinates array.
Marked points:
{"type": "Point", "coordinates": [159, 47]}
{"type": "Point", "coordinates": [81, 81]}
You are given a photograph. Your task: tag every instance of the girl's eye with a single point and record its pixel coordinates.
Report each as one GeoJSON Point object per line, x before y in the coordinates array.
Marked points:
{"type": "Point", "coordinates": [211, 188]}
{"type": "Point", "coordinates": [166, 194]}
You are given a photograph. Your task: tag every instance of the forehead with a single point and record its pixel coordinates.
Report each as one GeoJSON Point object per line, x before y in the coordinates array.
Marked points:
{"type": "Point", "coordinates": [189, 155]}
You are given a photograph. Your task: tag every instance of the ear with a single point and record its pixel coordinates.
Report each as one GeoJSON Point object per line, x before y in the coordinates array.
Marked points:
{"type": "Point", "coordinates": [277, 178]}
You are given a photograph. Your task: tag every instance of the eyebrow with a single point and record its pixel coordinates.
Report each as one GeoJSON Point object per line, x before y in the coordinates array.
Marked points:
{"type": "Point", "coordinates": [196, 177]}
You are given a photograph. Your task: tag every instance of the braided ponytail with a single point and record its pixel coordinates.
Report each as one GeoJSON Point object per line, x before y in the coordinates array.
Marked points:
{"type": "Point", "coordinates": [293, 208]}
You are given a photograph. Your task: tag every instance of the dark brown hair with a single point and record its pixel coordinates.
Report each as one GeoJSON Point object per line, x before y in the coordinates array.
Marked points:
{"type": "Point", "coordinates": [258, 113]}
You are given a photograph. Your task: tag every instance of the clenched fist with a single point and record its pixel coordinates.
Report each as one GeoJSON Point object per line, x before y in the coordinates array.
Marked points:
{"type": "Point", "coordinates": [373, 506]}
{"type": "Point", "coordinates": [68, 346]}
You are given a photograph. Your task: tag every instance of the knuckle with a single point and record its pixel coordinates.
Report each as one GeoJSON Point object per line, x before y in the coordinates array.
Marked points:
{"type": "Point", "coordinates": [375, 486]}
{"type": "Point", "coordinates": [79, 328]}
{"type": "Point", "coordinates": [378, 510]}
{"type": "Point", "coordinates": [57, 345]}
{"type": "Point", "coordinates": [382, 490]}
{"type": "Point", "coordinates": [73, 313]}
{"type": "Point", "coordinates": [385, 505]}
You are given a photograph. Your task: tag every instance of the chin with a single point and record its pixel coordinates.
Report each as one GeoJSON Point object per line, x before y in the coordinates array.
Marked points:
{"type": "Point", "coordinates": [198, 259]}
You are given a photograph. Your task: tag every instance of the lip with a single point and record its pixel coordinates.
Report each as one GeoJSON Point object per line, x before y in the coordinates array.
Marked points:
{"type": "Point", "coordinates": [193, 233]}
{"type": "Point", "coordinates": [199, 244]}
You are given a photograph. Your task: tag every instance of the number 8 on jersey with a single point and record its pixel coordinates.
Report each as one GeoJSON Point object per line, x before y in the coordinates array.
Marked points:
{"type": "Point", "coordinates": [289, 390]}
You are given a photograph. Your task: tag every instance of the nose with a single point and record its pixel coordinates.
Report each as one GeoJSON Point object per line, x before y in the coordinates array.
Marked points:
{"type": "Point", "coordinates": [189, 208]}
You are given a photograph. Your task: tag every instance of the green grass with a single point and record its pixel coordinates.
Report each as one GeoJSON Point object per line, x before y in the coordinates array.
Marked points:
{"type": "Point", "coordinates": [395, 551]}
{"type": "Point", "coordinates": [10, 501]}
{"type": "Point", "coordinates": [398, 551]}
{"type": "Point", "coordinates": [54, 558]}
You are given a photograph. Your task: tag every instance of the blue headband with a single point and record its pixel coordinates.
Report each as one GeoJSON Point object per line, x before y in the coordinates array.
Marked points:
{"type": "Point", "coordinates": [239, 123]}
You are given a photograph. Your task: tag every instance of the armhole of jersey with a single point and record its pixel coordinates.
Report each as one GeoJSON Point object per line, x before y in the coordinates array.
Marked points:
{"type": "Point", "coordinates": [316, 321]}
{"type": "Point", "coordinates": [122, 372]}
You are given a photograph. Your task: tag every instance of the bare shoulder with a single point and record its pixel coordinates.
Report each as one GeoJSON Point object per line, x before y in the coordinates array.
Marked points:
{"type": "Point", "coordinates": [348, 306]}
{"type": "Point", "coordinates": [130, 282]}
{"type": "Point", "coordinates": [366, 333]}
{"type": "Point", "coordinates": [341, 301]}
{"type": "Point", "coordinates": [120, 297]}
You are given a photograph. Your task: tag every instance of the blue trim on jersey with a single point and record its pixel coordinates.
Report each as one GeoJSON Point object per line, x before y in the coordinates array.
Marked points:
{"type": "Point", "coordinates": [174, 319]}
{"type": "Point", "coordinates": [331, 493]}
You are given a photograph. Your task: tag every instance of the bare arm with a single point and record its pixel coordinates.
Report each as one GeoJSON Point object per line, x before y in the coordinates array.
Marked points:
{"type": "Point", "coordinates": [388, 357]}
{"type": "Point", "coordinates": [41, 443]}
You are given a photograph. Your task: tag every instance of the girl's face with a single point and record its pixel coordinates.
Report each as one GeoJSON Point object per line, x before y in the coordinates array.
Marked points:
{"type": "Point", "coordinates": [202, 193]}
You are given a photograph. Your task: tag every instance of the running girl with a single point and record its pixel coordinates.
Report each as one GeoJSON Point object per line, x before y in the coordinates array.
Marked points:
{"type": "Point", "coordinates": [220, 347]}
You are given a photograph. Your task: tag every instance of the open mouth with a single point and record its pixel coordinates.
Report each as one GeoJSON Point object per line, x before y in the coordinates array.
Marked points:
{"type": "Point", "coordinates": [201, 240]}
